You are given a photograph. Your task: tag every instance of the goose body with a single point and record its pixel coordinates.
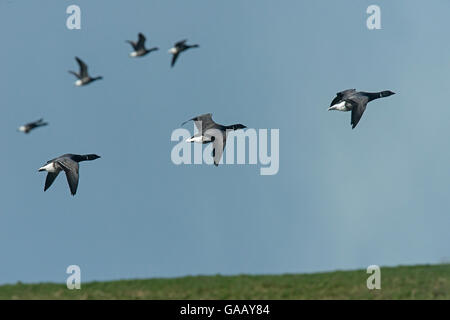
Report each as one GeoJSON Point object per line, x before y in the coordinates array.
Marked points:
{"type": "Point", "coordinates": [26, 128]}
{"type": "Point", "coordinates": [83, 76]}
{"type": "Point", "coordinates": [356, 102]}
{"type": "Point", "coordinates": [69, 164]}
{"type": "Point", "coordinates": [179, 47]}
{"type": "Point", "coordinates": [212, 132]}
{"type": "Point", "coordinates": [139, 47]}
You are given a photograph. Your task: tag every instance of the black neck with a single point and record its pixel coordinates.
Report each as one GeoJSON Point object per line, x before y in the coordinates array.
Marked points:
{"type": "Point", "coordinates": [232, 127]}
{"type": "Point", "coordinates": [373, 95]}
{"type": "Point", "coordinates": [85, 157]}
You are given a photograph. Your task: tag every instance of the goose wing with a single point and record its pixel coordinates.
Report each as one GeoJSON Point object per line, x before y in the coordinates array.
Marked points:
{"type": "Point", "coordinates": [51, 176]}
{"type": "Point", "coordinates": [218, 147]}
{"type": "Point", "coordinates": [75, 74]}
{"type": "Point", "coordinates": [174, 58]}
{"type": "Point", "coordinates": [141, 41]}
{"type": "Point", "coordinates": [202, 122]}
{"type": "Point", "coordinates": [340, 96]}
{"type": "Point", "coordinates": [71, 168]}
{"type": "Point", "coordinates": [359, 104]}
{"type": "Point", "coordinates": [133, 44]}
{"type": "Point", "coordinates": [83, 68]}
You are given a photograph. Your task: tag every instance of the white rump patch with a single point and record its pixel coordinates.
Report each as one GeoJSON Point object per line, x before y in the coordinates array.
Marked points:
{"type": "Point", "coordinates": [49, 168]}
{"type": "Point", "coordinates": [339, 106]}
{"type": "Point", "coordinates": [199, 139]}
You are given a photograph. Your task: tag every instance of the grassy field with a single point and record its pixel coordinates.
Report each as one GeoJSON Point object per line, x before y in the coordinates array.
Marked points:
{"type": "Point", "coordinates": [411, 282]}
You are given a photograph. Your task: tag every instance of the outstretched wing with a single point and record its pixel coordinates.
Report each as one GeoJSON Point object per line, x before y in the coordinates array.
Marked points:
{"type": "Point", "coordinates": [141, 41]}
{"type": "Point", "coordinates": [202, 122]}
{"type": "Point", "coordinates": [75, 74]}
{"type": "Point", "coordinates": [71, 169]}
{"type": "Point", "coordinates": [83, 68]}
{"type": "Point", "coordinates": [133, 44]}
{"type": "Point", "coordinates": [218, 147]}
{"type": "Point", "coordinates": [174, 59]}
{"type": "Point", "coordinates": [51, 176]}
{"type": "Point", "coordinates": [358, 107]}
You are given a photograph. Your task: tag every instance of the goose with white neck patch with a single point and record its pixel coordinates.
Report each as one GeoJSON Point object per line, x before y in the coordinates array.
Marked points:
{"type": "Point", "coordinates": [139, 47]}
{"type": "Point", "coordinates": [356, 102]}
{"type": "Point", "coordinates": [83, 76]}
{"type": "Point", "coordinates": [69, 163]}
{"type": "Point", "coordinates": [210, 131]}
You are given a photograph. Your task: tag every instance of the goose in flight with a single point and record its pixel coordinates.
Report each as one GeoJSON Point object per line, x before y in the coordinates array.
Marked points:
{"type": "Point", "coordinates": [68, 163]}
{"type": "Point", "coordinates": [209, 131]}
{"type": "Point", "coordinates": [179, 47]}
{"type": "Point", "coordinates": [356, 102]}
{"type": "Point", "coordinates": [26, 128]}
{"type": "Point", "coordinates": [83, 77]}
{"type": "Point", "coordinates": [139, 47]}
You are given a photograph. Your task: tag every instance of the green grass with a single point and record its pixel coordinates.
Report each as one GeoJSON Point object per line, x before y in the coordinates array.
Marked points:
{"type": "Point", "coordinates": [404, 282]}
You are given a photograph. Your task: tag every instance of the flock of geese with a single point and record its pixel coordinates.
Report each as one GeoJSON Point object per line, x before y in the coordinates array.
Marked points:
{"type": "Point", "coordinates": [347, 100]}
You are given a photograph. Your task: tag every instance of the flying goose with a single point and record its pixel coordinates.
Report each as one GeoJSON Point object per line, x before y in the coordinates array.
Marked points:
{"type": "Point", "coordinates": [83, 76]}
{"type": "Point", "coordinates": [139, 47]}
{"type": "Point", "coordinates": [26, 128]}
{"type": "Point", "coordinates": [68, 163]}
{"type": "Point", "coordinates": [209, 131]}
{"type": "Point", "coordinates": [356, 102]}
{"type": "Point", "coordinates": [179, 47]}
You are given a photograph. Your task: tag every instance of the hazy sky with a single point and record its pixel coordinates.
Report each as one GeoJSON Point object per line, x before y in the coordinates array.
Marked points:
{"type": "Point", "coordinates": [343, 198]}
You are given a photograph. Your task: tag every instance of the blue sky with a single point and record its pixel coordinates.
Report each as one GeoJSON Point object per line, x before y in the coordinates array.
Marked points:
{"type": "Point", "coordinates": [342, 199]}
